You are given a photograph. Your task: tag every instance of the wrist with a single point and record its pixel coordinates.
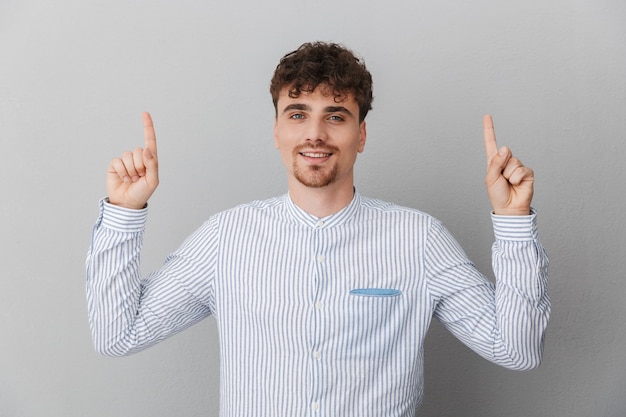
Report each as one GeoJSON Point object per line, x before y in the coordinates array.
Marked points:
{"type": "Point", "coordinates": [126, 206]}
{"type": "Point", "coordinates": [121, 219]}
{"type": "Point", "coordinates": [512, 212]}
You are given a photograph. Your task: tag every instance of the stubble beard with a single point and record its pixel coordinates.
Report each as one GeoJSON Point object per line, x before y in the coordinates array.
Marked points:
{"type": "Point", "coordinates": [315, 176]}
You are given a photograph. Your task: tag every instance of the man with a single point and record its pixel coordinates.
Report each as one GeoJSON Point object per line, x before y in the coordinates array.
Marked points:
{"type": "Point", "coordinates": [322, 296]}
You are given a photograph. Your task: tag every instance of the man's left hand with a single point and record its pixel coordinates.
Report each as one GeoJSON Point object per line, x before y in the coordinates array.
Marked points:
{"type": "Point", "coordinates": [509, 183]}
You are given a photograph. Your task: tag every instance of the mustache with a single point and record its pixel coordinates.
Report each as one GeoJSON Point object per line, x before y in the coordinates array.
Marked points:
{"type": "Point", "coordinates": [316, 147]}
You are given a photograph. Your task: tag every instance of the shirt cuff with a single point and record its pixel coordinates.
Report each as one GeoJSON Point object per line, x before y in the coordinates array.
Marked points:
{"type": "Point", "coordinates": [122, 219]}
{"type": "Point", "coordinates": [515, 228]}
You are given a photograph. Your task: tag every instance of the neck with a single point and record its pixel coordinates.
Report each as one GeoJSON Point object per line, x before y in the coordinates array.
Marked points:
{"type": "Point", "coordinates": [323, 201]}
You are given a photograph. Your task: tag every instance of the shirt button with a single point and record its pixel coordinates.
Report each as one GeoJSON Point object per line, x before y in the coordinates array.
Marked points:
{"type": "Point", "coordinates": [316, 355]}
{"type": "Point", "coordinates": [318, 305]}
{"type": "Point", "coordinates": [315, 406]}
{"type": "Point", "coordinates": [320, 223]}
{"type": "Point", "coordinates": [320, 258]}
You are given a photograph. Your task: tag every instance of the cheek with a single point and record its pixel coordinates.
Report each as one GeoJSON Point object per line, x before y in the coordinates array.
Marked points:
{"type": "Point", "coordinates": [287, 156]}
{"type": "Point", "coordinates": [284, 137]}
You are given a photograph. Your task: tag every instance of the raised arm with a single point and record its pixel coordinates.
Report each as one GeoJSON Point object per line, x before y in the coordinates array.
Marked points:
{"type": "Point", "coordinates": [127, 311]}
{"type": "Point", "coordinates": [505, 322]}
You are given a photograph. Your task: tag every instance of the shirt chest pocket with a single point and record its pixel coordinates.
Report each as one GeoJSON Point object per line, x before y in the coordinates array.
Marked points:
{"type": "Point", "coordinates": [374, 308]}
{"type": "Point", "coordinates": [375, 292]}
{"type": "Point", "coordinates": [373, 319]}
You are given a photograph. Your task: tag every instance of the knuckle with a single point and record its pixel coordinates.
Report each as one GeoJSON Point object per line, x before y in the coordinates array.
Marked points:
{"type": "Point", "coordinates": [117, 164]}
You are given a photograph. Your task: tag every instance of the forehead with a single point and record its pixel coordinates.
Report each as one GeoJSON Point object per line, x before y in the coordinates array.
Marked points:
{"type": "Point", "coordinates": [321, 96]}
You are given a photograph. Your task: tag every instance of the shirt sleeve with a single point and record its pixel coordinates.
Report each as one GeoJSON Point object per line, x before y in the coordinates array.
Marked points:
{"type": "Point", "coordinates": [506, 322]}
{"type": "Point", "coordinates": [129, 312]}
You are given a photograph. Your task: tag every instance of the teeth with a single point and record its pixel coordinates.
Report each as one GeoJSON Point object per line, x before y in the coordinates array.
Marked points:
{"type": "Point", "coordinates": [315, 155]}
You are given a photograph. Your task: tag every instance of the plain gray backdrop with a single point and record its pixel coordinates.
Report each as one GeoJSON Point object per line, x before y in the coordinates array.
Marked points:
{"type": "Point", "coordinates": [76, 75]}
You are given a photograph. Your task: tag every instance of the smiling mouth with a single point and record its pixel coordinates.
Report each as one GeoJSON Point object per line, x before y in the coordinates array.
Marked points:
{"type": "Point", "coordinates": [319, 155]}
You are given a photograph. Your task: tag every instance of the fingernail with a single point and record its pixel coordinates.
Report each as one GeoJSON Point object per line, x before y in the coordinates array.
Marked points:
{"type": "Point", "coordinates": [502, 151]}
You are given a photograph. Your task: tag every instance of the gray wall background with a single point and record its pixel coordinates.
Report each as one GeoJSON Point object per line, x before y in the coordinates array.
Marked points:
{"type": "Point", "coordinates": [75, 76]}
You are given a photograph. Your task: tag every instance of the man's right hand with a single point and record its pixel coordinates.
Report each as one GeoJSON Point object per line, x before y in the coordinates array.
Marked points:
{"type": "Point", "coordinates": [133, 177]}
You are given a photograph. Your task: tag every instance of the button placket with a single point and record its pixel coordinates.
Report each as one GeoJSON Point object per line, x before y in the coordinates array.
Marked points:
{"type": "Point", "coordinates": [320, 260]}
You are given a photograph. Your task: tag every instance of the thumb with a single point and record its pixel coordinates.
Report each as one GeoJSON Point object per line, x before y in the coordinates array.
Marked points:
{"type": "Point", "coordinates": [497, 163]}
{"type": "Point", "coordinates": [152, 168]}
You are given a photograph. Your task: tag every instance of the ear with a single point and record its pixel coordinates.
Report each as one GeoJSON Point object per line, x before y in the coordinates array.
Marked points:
{"type": "Point", "coordinates": [363, 136]}
{"type": "Point", "coordinates": [276, 133]}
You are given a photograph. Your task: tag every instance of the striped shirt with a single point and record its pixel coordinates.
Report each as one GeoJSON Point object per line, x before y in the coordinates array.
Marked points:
{"type": "Point", "coordinates": [320, 317]}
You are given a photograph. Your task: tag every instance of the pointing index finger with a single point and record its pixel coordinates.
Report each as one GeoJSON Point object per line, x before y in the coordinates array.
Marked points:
{"type": "Point", "coordinates": [491, 147]}
{"type": "Point", "coordinates": [149, 134]}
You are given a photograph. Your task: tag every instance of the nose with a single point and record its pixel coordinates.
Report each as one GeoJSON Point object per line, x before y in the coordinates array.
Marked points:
{"type": "Point", "coordinates": [316, 131]}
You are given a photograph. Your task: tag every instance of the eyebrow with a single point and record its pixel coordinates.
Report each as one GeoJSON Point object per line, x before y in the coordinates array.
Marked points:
{"type": "Point", "coordinates": [338, 109]}
{"type": "Point", "coordinates": [296, 106]}
{"type": "Point", "coordinates": [329, 109]}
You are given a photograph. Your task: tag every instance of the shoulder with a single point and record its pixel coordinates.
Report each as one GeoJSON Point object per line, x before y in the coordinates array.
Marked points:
{"type": "Point", "coordinates": [241, 217]}
{"type": "Point", "coordinates": [254, 208]}
{"type": "Point", "coordinates": [377, 207]}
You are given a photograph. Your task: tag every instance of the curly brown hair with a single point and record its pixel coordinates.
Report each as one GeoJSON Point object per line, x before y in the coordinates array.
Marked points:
{"type": "Point", "coordinates": [330, 65]}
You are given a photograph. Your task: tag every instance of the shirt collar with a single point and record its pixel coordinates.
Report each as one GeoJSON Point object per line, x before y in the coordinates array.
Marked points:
{"type": "Point", "coordinates": [336, 219]}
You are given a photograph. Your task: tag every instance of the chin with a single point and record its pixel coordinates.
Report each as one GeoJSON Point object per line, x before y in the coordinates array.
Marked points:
{"type": "Point", "coordinates": [316, 177]}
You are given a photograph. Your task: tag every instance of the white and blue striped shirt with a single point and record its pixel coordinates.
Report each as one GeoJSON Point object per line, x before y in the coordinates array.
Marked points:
{"type": "Point", "coordinates": [320, 317]}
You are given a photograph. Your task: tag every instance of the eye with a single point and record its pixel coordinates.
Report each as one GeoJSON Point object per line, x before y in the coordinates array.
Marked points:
{"type": "Point", "coordinates": [297, 116]}
{"type": "Point", "coordinates": [336, 118]}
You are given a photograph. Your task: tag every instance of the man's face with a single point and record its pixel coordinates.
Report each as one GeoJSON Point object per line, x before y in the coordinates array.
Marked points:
{"type": "Point", "coordinates": [318, 137]}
